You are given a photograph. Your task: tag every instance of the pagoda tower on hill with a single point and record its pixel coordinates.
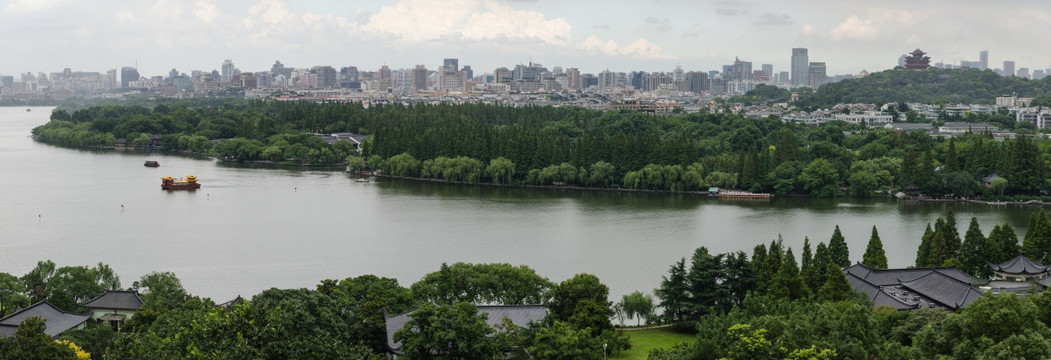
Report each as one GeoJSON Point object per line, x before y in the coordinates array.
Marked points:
{"type": "Point", "coordinates": [917, 61]}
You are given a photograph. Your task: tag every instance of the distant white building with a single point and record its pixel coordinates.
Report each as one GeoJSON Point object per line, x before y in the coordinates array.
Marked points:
{"type": "Point", "coordinates": [870, 118]}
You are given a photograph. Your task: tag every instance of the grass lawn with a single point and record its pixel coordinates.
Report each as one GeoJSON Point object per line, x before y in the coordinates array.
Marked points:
{"type": "Point", "coordinates": [642, 341]}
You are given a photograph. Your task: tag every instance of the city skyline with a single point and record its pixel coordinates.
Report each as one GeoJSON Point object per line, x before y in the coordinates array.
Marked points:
{"type": "Point", "coordinates": [156, 36]}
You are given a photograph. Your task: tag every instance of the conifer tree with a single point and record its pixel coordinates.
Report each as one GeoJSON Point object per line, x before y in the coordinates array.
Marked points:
{"type": "Point", "coordinates": [837, 249]}
{"type": "Point", "coordinates": [1037, 238]}
{"type": "Point", "coordinates": [806, 262]}
{"type": "Point", "coordinates": [952, 162]}
{"type": "Point", "coordinates": [938, 249]}
{"type": "Point", "coordinates": [817, 275]}
{"type": "Point", "coordinates": [924, 253]}
{"type": "Point", "coordinates": [874, 256]}
{"type": "Point", "coordinates": [977, 251]}
{"type": "Point", "coordinates": [759, 264]}
{"type": "Point", "coordinates": [1008, 243]}
{"type": "Point", "coordinates": [788, 283]}
{"type": "Point", "coordinates": [836, 287]}
{"type": "Point", "coordinates": [774, 259]}
{"type": "Point", "coordinates": [952, 236]}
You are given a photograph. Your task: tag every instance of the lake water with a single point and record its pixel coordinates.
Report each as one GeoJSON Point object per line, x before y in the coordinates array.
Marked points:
{"type": "Point", "coordinates": [249, 229]}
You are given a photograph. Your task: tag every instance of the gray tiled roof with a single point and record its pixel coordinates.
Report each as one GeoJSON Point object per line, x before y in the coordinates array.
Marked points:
{"type": "Point", "coordinates": [115, 300]}
{"type": "Point", "coordinates": [896, 276]}
{"type": "Point", "coordinates": [944, 290]}
{"type": "Point", "coordinates": [58, 321]}
{"type": "Point", "coordinates": [520, 315]}
{"type": "Point", "coordinates": [876, 294]}
{"type": "Point", "coordinates": [7, 330]}
{"type": "Point", "coordinates": [1020, 265]}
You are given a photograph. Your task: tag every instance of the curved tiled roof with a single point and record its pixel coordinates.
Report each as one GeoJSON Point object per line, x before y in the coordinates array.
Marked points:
{"type": "Point", "coordinates": [876, 294]}
{"type": "Point", "coordinates": [1020, 265]}
{"type": "Point", "coordinates": [57, 320]}
{"type": "Point", "coordinates": [943, 289]}
{"type": "Point", "coordinates": [115, 300]}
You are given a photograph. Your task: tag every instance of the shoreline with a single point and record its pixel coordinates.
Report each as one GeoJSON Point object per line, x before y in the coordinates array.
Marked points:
{"type": "Point", "coordinates": [332, 167]}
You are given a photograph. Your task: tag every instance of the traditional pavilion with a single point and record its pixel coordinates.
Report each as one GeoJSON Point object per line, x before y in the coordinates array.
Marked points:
{"type": "Point", "coordinates": [114, 307]}
{"type": "Point", "coordinates": [917, 61]}
{"type": "Point", "coordinates": [1019, 269]}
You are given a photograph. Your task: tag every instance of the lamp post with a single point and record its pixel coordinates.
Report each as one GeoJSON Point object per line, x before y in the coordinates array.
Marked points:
{"type": "Point", "coordinates": [604, 350]}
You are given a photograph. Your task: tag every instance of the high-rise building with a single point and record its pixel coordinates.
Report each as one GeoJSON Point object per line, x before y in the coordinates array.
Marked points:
{"type": "Point", "coordinates": [127, 75]}
{"type": "Point", "coordinates": [697, 81]}
{"type": "Point", "coordinates": [326, 76]}
{"type": "Point", "coordinates": [678, 73]}
{"type": "Point", "coordinates": [1009, 68]}
{"type": "Point", "coordinates": [501, 75]}
{"type": "Point", "coordinates": [227, 71]}
{"type": "Point", "coordinates": [983, 59]}
{"type": "Point", "coordinates": [741, 70]}
{"type": "Point", "coordinates": [800, 62]}
{"type": "Point", "coordinates": [606, 79]}
{"type": "Point", "coordinates": [419, 77]}
{"type": "Point", "coordinates": [784, 78]}
{"type": "Point", "coordinates": [573, 74]}
{"type": "Point", "coordinates": [452, 63]}
{"type": "Point", "coordinates": [768, 69]}
{"type": "Point", "coordinates": [816, 74]}
{"type": "Point", "coordinates": [468, 73]}
{"type": "Point", "coordinates": [249, 81]}
{"type": "Point", "coordinates": [1023, 73]}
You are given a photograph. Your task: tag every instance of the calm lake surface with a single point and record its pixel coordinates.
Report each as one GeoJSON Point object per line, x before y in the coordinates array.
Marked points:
{"type": "Point", "coordinates": [249, 229]}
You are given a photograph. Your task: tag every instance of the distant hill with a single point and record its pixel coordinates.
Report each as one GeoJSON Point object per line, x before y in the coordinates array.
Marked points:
{"type": "Point", "coordinates": [931, 86]}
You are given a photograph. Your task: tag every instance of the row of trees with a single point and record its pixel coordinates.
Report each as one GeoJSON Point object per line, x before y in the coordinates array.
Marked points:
{"type": "Point", "coordinates": [543, 145]}
{"type": "Point", "coordinates": [340, 319]}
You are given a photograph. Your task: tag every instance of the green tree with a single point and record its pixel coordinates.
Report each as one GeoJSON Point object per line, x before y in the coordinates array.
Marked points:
{"type": "Point", "coordinates": [874, 256]}
{"type": "Point", "coordinates": [806, 261]}
{"type": "Point", "coordinates": [706, 287]}
{"type": "Point", "coordinates": [601, 173]}
{"type": "Point", "coordinates": [561, 341]}
{"type": "Point", "coordinates": [977, 252]}
{"type": "Point", "coordinates": [923, 254]}
{"type": "Point", "coordinates": [497, 283]}
{"type": "Point", "coordinates": [673, 293]}
{"type": "Point", "coordinates": [821, 260]}
{"type": "Point", "coordinates": [582, 301]}
{"type": "Point", "coordinates": [11, 294]}
{"type": "Point", "coordinates": [501, 170]}
{"type": "Point", "coordinates": [1007, 242]}
{"type": "Point", "coordinates": [638, 306]}
{"type": "Point", "coordinates": [1037, 242]}
{"type": "Point", "coordinates": [447, 332]}
{"type": "Point", "coordinates": [820, 178]}
{"type": "Point", "coordinates": [364, 300]}
{"type": "Point", "coordinates": [837, 249]}
{"type": "Point", "coordinates": [788, 283]}
{"type": "Point", "coordinates": [31, 343]}
{"type": "Point", "coordinates": [952, 235]}
{"type": "Point", "coordinates": [836, 287]}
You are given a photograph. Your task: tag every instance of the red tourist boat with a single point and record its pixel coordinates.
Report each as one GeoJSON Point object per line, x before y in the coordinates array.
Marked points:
{"type": "Point", "coordinates": [170, 183]}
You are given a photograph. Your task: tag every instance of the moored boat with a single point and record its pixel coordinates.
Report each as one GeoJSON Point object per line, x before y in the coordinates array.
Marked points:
{"type": "Point", "coordinates": [152, 163]}
{"type": "Point", "coordinates": [189, 183]}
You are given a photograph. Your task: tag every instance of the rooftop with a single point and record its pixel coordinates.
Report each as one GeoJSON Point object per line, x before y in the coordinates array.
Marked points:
{"type": "Point", "coordinates": [115, 300]}
{"type": "Point", "coordinates": [58, 321]}
{"type": "Point", "coordinates": [520, 315]}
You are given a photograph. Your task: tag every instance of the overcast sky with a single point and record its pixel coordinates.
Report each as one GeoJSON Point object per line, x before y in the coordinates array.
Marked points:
{"type": "Point", "coordinates": [648, 35]}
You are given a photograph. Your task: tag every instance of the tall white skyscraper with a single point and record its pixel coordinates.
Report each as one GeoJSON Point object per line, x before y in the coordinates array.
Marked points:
{"type": "Point", "coordinates": [800, 67]}
{"type": "Point", "coordinates": [227, 71]}
{"type": "Point", "coordinates": [983, 59]}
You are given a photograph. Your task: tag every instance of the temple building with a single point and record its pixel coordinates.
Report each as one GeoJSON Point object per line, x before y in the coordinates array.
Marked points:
{"type": "Point", "coordinates": [917, 61]}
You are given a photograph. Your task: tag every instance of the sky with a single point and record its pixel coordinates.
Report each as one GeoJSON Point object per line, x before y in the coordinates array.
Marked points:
{"type": "Point", "coordinates": [646, 35]}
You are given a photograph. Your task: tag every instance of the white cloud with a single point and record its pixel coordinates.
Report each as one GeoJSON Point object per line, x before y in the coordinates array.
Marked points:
{"type": "Point", "coordinates": [640, 49]}
{"type": "Point", "coordinates": [30, 6]}
{"type": "Point", "coordinates": [853, 28]}
{"type": "Point", "coordinates": [808, 30]}
{"type": "Point", "coordinates": [205, 11]}
{"type": "Point", "coordinates": [415, 21]}
{"type": "Point", "coordinates": [272, 23]}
